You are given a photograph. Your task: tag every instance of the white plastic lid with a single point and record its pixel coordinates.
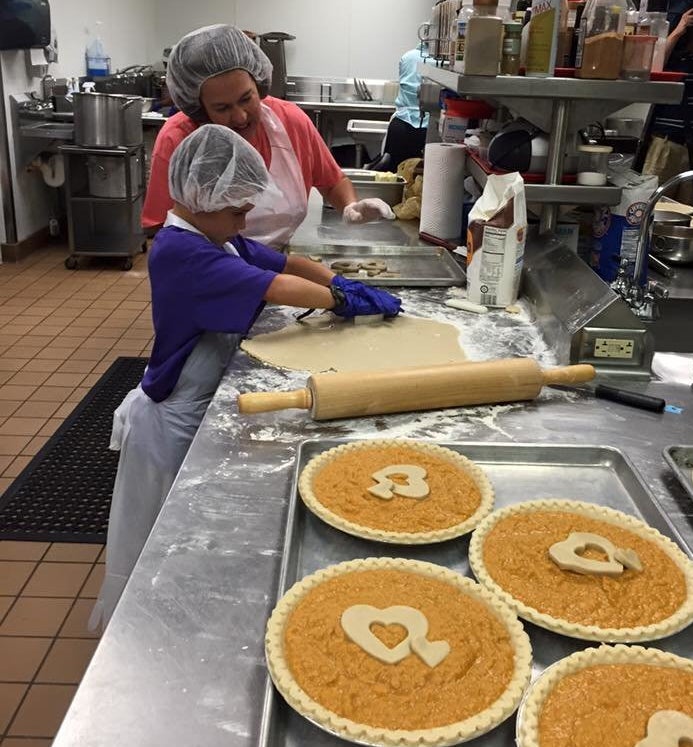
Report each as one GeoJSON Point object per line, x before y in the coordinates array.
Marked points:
{"type": "Point", "coordinates": [595, 149]}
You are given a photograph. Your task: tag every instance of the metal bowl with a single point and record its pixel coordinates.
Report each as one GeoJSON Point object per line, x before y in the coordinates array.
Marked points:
{"type": "Point", "coordinates": [670, 218]}
{"type": "Point", "coordinates": [674, 245]}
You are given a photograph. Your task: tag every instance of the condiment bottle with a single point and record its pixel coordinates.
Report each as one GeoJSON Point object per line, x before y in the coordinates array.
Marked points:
{"type": "Point", "coordinates": [463, 17]}
{"type": "Point", "coordinates": [543, 38]}
{"type": "Point", "coordinates": [512, 40]}
{"type": "Point", "coordinates": [601, 43]}
{"type": "Point", "coordinates": [484, 40]}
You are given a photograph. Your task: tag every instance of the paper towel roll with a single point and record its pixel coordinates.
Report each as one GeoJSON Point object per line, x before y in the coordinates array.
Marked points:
{"type": "Point", "coordinates": [443, 190]}
{"type": "Point", "coordinates": [53, 170]}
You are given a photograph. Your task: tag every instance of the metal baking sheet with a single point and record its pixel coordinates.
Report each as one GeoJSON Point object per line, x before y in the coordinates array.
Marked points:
{"type": "Point", "coordinates": [519, 472]}
{"type": "Point", "coordinates": [680, 459]}
{"type": "Point", "coordinates": [422, 266]}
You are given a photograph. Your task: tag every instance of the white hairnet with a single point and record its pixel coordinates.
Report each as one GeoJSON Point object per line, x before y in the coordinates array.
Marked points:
{"type": "Point", "coordinates": [207, 52]}
{"type": "Point", "coordinates": [214, 168]}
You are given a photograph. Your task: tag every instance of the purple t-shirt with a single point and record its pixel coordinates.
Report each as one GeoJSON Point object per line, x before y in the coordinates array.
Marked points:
{"type": "Point", "coordinates": [198, 287]}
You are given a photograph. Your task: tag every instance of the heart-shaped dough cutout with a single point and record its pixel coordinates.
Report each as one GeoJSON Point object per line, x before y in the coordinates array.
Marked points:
{"type": "Point", "coordinates": [565, 555]}
{"type": "Point", "coordinates": [357, 620]}
{"type": "Point", "coordinates": [430, 652]}
{"type": "Point", "coordinates": [415, 487]}
{"type": "Point", "coordinates": [668, 729]}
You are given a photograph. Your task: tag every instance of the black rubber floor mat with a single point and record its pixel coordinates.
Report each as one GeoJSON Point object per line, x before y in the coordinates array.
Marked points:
{"type": "Point", "coordinates": [64, 493]}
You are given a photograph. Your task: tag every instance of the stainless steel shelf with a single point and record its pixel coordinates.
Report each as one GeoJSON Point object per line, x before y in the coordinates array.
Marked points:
{"type": "Point", "coordinates": [533, 98]}
{"type": "Point", "coordinates": [513, 86]}
{"type": "Point", "coordinates": [557, 194]}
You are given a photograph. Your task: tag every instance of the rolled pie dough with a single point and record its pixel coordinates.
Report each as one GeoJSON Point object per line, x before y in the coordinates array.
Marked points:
{"type": "Point", "coordinates": [328, 343]}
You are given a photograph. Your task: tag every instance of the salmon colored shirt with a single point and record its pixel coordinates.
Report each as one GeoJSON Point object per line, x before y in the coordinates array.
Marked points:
{"type": "Point", "coordinates": [318, 167]}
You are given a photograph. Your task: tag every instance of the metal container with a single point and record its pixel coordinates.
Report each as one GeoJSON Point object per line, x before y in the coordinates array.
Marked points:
{"type": "Point", "coordinates": [107, 120]}
{"type": "Point", "coordinates": [366, 186]}
{"type": "Point", "coordinates": [107, 176]}
{"type": "Point", "coordinates": [519, 472]}
{"type": "Point", "coordinates": [674, 244]}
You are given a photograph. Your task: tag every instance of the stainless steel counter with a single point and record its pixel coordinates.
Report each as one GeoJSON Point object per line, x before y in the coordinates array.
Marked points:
{"type": "Point", "coordinates": [181, 662]}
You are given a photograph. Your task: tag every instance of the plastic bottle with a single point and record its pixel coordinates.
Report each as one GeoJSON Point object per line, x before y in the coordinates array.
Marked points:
{"type": "Point", "coordinates": [484, 40]}
{"type": "Point", "coordinates": [543, 38]}
{"type": "Point", "coordinates": [632, 18]}
{"type": "Point", "coordinates": [512, 42]}
{"type": "Point", "coordinates": [463, 17]}
{"type": "Point", "coordinates": [98, 62]}
{"type": "Point", "coordinates": [659, 28]}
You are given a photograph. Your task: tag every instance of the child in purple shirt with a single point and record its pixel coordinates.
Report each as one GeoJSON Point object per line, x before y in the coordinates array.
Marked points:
{"type": "Point", "coordinates": [208, 286]}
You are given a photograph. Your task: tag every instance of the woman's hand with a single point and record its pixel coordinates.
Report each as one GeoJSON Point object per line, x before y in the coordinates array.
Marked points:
{"type": "Point", "coordinates": [684, 24]}
{"type": "Point", "coordinates": [364, 211]}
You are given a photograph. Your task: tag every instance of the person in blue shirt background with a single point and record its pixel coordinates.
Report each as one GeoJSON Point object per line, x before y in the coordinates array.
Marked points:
{"type": "Point", "coordinates": [208, 286]}
{"type": "Point", "coordinates": [406, 133]}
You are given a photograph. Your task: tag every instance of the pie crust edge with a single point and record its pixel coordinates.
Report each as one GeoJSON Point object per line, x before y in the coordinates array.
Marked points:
{"type": "Point", "coordinates": [681, 618]}
{"type": "Point", "coordinates": [530, 710]}
{"type": "Point", "coordinates": [451, 734]}
{"type": "Point", "coordinates": [383, 535]}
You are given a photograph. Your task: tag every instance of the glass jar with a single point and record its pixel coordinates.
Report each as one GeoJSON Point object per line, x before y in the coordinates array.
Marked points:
{"type": "Point", "coordinates": [637, 57]}
{"type": "Point", "coordinates": [512, 42]}
{"type": "Point", "coordinates": [593, 163]}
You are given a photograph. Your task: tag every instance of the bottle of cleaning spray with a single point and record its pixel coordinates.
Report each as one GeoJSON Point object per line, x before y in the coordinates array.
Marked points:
{"type": "Point", "coordinates": [98, 62]}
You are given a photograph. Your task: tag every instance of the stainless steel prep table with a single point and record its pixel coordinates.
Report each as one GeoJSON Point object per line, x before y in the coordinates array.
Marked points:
{"type": "Point", "coordinates": [182, 661]}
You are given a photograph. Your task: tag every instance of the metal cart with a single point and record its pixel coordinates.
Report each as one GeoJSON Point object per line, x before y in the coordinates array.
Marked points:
{"type": "Point", "coordinates": [104, 191]}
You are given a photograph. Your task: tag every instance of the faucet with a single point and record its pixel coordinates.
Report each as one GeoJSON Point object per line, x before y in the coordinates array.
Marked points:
{"type": "Point", "coordinates": [643, 300]}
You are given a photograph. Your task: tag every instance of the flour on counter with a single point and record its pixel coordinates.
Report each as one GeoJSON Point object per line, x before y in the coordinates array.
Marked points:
{"type": "Point", "coordinates": [488, 337]}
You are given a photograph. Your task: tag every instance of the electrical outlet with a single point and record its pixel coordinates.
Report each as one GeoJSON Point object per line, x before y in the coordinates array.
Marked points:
{"type": "Point", "coordinates": [611, 347]}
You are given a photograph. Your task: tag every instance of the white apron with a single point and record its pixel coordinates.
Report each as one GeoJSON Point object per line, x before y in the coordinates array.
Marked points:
{"type": "Point", "coordinates": [274, 219]}
{"type": "Point", "coordinates": [153, 439]}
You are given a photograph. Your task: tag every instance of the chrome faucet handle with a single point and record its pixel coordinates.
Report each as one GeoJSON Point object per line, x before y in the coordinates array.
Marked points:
{"type": "Point", "coordinates": [659, 292]}
{"type": "Point", "coordinates": [622, 284]}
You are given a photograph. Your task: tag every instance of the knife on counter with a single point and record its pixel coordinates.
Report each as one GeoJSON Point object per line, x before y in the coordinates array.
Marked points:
{"type": "Point", "coordinates": [616, 394]}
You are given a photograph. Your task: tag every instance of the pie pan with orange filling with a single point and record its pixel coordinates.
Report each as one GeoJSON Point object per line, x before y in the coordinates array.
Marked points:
{"type": "Point", "coordinates": [612, 695]}
{"type": "Point", "coordinates": [388, 651]}
{"type": "Point", "coordinates": [397, 491]}
{"type": "Point", "coordinates": [513, 553]}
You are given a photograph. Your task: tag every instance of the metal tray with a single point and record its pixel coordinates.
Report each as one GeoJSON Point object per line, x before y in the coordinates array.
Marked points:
{"type": "Point", "coordinates": [422, 266]}
{"type": "Point", "coordinates": [680, 459]}
{"type": "Point", "coordinates": [519, 472]}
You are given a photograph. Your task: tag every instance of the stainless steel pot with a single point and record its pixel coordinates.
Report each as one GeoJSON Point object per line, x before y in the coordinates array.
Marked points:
{"type": "Point", "coordinates": [676, 245]}
{"type": "Point", "coordinates": [104, 120]}
{"type": "Point", "coordinates": [107, 176]}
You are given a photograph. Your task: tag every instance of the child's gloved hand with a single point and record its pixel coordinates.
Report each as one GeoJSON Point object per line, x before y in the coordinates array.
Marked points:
{"type": "Point", "coordinates": [364, 211]}
{"type": "Point", "coordinates": [357, 299]}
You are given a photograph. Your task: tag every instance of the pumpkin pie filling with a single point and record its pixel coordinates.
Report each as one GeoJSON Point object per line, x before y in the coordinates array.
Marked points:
{"type": "Point", "coordinates": [339, 675]}
{"type": "Point", "coordinates": [611, 704]}
{"type": "Point", "coordinates": [342, 487]}
{"type": "Point", "coordinates": [516, 556]}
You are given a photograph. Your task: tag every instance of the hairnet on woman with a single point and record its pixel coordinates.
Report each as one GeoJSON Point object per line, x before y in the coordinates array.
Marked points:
{"type": "Point", "coordinates": [208, 286]}
{"type": "Point", "coordinates": [217, 74]}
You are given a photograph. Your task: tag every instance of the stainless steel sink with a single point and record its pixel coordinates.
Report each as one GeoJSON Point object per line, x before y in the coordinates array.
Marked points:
{"type": "Point", "coordinates": [49, 130]}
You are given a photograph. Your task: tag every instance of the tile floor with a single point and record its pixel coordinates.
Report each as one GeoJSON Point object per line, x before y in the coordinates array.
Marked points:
{"type": "Point", "coordinates": [59, 331]}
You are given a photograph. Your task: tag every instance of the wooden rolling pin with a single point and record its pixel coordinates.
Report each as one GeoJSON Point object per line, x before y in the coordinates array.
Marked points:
{"type": "Point", "coordinates": [360, 393]}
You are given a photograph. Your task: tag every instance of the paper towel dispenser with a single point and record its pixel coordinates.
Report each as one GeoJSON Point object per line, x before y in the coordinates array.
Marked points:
{"type": "Point", "coordinates": [24, 24]}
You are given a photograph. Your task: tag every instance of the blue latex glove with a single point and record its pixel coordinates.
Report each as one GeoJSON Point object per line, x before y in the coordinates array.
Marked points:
{"type": "Point", "coordinates": [361, 299]}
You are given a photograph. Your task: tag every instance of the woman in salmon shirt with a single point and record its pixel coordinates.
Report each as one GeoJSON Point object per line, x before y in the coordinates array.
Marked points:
{"type": "Point", "coordinates": [217, 74]}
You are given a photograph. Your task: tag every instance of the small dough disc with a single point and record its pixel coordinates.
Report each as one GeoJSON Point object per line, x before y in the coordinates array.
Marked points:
{"type": "Point", "coordinates": [327, 343]}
